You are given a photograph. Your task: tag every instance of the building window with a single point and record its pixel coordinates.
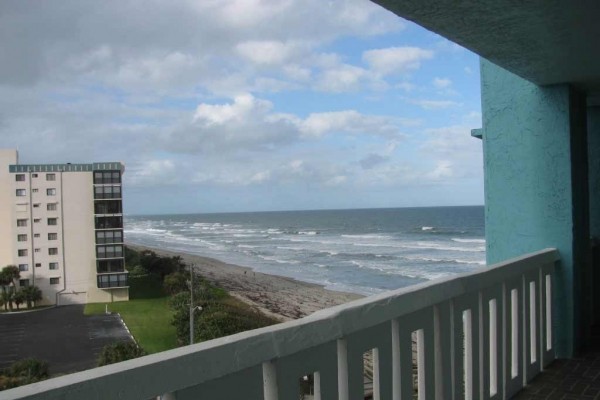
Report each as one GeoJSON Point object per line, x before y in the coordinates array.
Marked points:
{"type": "Point", "coordinates": [114, 265]}
{"type": "Point", "coordinates": [52, 221]}
{"type": "Point", "coordinates": [52, 236]}
{"type": "Point", "coordinates": [21, 222]}
{"type": "Point", "coordinates": [105, 237]}
{"type": "Point", "coordinates": [108, 222]}
{"type": "Point", "coordinates": [107, 192]}
{"type": "Point", "coordinates": [50, 177]}
{"type": "Point", "coordinates": [20, 177]}
{"type": "Point", "coordinates": [34, 190]}
{"type": "Point", "coordinates": [54, 281]}
{"type": "Point", "coordinates": [21, 238]}
{"type": "Point", "coordinates": [115, 280]}
{"type": "Point", "coordinates": [109, 251]}
{"type": "Point", "coordinates": [108, 207]}
{"type": "Point", "coordinates": [53, 265]}
{"type": "Point", "coordinates": [36, 205]}
{"type": "Point", "coordinates": [36, 220]}
{"type": "Point", "coordinates": [37, 250]}
{"type": "Point", "coordinates": [34, 175]}
{"type": "Point", "coordinates": [53, 251]}
{"type": "Point", "coordinates": [51, 192]}
{"type": "Point", "coordinates": [23, 267]}
{"type": "Point", "coordinates": [51, 206]}
{"type": "Point", "coordinates": [38, 265]}
{"type": "Point", "coordinates": [22, 252]}
{"type": "Point", "coordinates": [104, 177]}
{"type": "Point", "coordinates": [36, 235]}
{"type": "Point", "coordinates": [23, 282]}
{"type": "Point", "coordinates": [21, 192]}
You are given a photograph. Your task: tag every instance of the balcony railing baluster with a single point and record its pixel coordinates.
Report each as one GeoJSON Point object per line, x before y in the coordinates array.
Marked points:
{"type": "Point", "coordinates": [472, 331]}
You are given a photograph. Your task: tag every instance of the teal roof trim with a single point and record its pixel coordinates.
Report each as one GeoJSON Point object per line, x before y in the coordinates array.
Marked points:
{"type": "Point", "coordinates": [102, 166]}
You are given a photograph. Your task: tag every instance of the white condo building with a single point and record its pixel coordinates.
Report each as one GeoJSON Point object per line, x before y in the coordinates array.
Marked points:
{"type": "Point", "coordinates": [62, 225]}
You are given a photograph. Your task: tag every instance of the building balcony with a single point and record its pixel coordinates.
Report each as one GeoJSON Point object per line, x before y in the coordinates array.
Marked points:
{"type": "Point", "coordinates": [113, 281]}
{"type": "Point", "coordinates": [110, 207]}
{"type": "Point", "coordinates": [480, 335]}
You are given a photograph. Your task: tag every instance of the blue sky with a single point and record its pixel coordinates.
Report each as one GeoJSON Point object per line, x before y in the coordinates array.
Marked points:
{"type": "Point", "coordinates": [244, 105]}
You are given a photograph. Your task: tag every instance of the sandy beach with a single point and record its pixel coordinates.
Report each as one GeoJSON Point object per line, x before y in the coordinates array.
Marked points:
{"type": "Point", "coordinates": [278, 296]}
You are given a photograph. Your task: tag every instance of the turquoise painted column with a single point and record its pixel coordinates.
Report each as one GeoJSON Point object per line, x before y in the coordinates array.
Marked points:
{"type": "Point", "coordinates": [594, 185]}
{"type": "Point", "coordinates": [531, 182]}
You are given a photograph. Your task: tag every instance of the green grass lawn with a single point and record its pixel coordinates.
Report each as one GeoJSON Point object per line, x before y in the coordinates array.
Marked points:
{"type": "Point", "coordinates": [147, 315]}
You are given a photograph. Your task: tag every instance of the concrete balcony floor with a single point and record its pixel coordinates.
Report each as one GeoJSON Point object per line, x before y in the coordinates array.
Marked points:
{"type": "Point", "coordinates": [576, 378]}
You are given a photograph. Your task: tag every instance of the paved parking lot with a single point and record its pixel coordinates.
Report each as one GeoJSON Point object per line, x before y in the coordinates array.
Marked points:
{"type": "Point", "coordinates": [68, 340]}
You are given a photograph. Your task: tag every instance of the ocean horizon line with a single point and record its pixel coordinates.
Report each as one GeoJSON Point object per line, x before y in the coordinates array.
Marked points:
{"type": "Point", "coordinates": [301, 210]}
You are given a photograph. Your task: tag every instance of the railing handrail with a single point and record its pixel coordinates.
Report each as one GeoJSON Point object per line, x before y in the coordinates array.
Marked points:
{"type": "Point", "coordinates": [188, 365]}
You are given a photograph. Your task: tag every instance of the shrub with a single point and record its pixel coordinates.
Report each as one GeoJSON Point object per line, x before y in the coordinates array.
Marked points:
{"type": "Point", "coordinates": [28, 370]}
{"type": "Point", "coordinates": [217, 320]}
{"type": "Point", "coordinates": [119, 351]}
{"type": "Point", "coordinates": [137, 271]}
{"type": "Point", "coordinates": [32, 294]}
{"type": "Point", "coordinates": [175, 283]}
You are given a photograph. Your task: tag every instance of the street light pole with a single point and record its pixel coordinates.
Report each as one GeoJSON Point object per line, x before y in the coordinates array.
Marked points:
{"type": "Point", "coordinates": [191, 304]}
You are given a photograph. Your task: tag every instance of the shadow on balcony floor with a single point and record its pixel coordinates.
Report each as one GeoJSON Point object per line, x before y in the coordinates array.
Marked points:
{"type": "Point", "coordinates": [576, 378]}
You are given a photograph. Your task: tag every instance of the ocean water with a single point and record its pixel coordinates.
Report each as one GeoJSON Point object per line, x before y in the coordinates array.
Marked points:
{"type": "Point", "coordinates": [363, 251]}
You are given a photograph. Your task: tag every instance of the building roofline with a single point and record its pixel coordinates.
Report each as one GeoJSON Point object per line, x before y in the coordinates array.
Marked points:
{"type": "Point", "coordinates": [99, 166]}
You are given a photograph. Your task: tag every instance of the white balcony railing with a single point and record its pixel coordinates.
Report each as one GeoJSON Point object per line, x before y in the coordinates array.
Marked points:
{"type": "Point", "coordinates": [481, 335]}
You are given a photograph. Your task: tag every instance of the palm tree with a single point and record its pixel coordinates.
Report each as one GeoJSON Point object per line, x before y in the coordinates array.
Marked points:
{"type": "Point", "coordinates": [32, 294]}
{"type": "Point", "coordinates": [8, 276]}
{"type": "Point", "coordinates": [7, 298]}
{"type": "Point", "coordinates": [19, 298]}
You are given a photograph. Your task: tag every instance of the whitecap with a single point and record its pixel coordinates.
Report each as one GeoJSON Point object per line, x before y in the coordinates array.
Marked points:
{"type": "Point", "coordinates": [468, 240]}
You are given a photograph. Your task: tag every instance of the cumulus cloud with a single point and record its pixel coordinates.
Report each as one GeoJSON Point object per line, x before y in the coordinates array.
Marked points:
{"type": "Point", "coordinates": [249, 123]}
{"type": "Point", "coordinates": [235, 93]}
{"type": "Point", "coordinates": [396, 60]}
{"type": "Point", "coordinates": [152, 173]}
{"type": "Point", "coordinates": [272, 52]}
{"type": "Point", "coordinates": [456, 153]}
{"type": "Point", "coordinates": [441, 83]}
{"type": "Point", "coordinates": [435, 104]}
{"type": "Point", "coordinates": [350, 121]}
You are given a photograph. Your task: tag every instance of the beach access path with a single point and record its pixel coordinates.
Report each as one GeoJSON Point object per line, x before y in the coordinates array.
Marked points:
{"type": "Point", "coordinates": [281, 297]}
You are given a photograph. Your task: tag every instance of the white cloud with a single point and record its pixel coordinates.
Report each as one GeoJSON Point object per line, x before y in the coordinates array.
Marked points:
{"type": "Point", "coordinates": [152, 173]}
{"type": "Point", "coordinates": [272, 52]}
{"type": "Point", "coordinates": [342, 78]}
{"type": "Point", "coordinates": [435, 104]}
{"type": "Point", "coordinates": [249, 123]}
{"type": "Point", "coordinates": [455, 153]}
{"type": "Point", "coordinates": [396, 60]}
{"type": "Point", "coordinates": [441, 83]}
{"type": "Point", "coordinates": [242, 108]}
{"type": "Point", "coordinates": [84, 81]}
{"type": "Point", "coordinates": [443, 170]}
{"type": "Point", "coordinates": [350, 121]}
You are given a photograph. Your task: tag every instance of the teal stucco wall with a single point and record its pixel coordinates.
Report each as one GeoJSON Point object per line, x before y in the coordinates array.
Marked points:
{"type": "Point", "coordinates": [594, 188]}
{"type": "Point", "coordinates": [529, 181]}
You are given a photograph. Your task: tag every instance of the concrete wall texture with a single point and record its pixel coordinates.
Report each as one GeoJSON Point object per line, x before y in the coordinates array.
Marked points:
{"type": "Point", "coordinates": [529, 185]}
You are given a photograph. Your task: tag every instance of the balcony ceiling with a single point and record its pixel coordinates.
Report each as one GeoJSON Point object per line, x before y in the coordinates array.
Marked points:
{"type": "Point", "coordinates": [544, 41]}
